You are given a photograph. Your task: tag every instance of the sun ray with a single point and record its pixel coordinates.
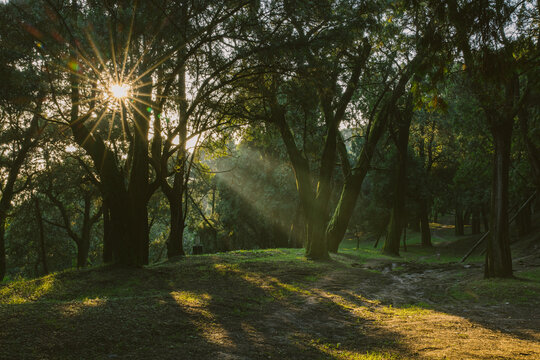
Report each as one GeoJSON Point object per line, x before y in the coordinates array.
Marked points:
{"type": "Point", "coordinates": [96, 50]}
{"type": "Point", "coordinates": [113, 53]}
{"type": "Point", "coordinates": [87, 114]}
{"type": "Point", "coordinates": [128, 41]}
{"type": "Point", "coordinates": [153, 67]}
{"type": "Point", "coordinates": [98, 121]}
{"type": "Point", "coordinates": [172, 97]}
{"type": "Point", "coordinates": [111, 125]}
{"type": "Point", "coordinates": [124, 134]}
{"type": "Point", "coordinates": [150, 104]}
{"type": "Point", "coordinates": [128, 108]}
{"type": "Point", "coordinates": [148, 48]}
{"type": "Point", "coordinates": [146, 117]}
{"type": "Point", "coordinates": [140, 85]}
{"type": "Point", "coordinates": [71, 71]}
{"type": "Point", "coordinates": [163, 81]}
{"type": "Point", "coordinates": [85, 101]}
{"type": "Point", "coordinates": [87, 62]}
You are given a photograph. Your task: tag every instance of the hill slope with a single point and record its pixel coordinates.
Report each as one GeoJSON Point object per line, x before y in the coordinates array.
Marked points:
{"type": "Point", "coordinates": [272, 304]}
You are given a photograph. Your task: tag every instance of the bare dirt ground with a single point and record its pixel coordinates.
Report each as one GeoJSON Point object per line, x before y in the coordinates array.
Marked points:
{"type": "Point", "coordinates": [267, 305]}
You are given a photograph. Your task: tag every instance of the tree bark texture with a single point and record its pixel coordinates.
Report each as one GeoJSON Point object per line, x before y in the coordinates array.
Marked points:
{"type": "Point", "coordinates": [498, 257]}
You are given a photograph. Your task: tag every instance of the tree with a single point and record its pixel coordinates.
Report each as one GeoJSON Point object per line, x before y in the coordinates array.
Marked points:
{"type": "Point", "coordinates": [116, 94]}
{"type": "Point", "coordinates": [74, 197]}
{"type": "Point", "coordinates": [13, 161]}
{"type": "Point", "coordinates": [489, 52]}
{"type": "Point", "coordinates": [21, 101]}
{"type": "Point", "coordinates": [398, 216]}
{"type": "Point", "coordinates": [327, 84]}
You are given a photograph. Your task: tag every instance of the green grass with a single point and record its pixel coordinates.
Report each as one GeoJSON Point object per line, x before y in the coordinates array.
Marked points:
{"type": "Point", "coordinates": [110, 283]}
{"type": "Point", "coordinates": [498, 291]}
{"type": "Point", "coordinates": [533, 275]}
{"type": "Point", "coordinates": [438, 254]}
{"type": "Point", "coordinates": [219, 304]}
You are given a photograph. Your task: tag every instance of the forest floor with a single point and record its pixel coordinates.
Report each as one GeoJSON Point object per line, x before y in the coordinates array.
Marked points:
{"type": "Point", "coordinates": [270, 304]}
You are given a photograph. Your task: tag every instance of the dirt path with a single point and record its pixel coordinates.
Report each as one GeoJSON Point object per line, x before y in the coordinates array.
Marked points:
{"type": "Point", "coordinates": [447, 329]}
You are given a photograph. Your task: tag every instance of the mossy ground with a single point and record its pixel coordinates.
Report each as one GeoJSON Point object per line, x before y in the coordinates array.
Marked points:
{"type": "Point", "coordinates": [276, 304]}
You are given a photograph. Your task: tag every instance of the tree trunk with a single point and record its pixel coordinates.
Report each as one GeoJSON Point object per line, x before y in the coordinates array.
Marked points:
{"type": "Point", "coordinates": [475, 222]}
{"type": "Point", "coordinates": [2, 245]}
{"type": "Point", "coordinates": [175, 246]}
{"type": "Point", "coordinates": [42, 248]}
{"type": "Point", "coordinates": [405, 238]}
{"type": "Point", "coordinates": [83, 244]}
{"type": "Point", "coordinates": [175, 192]}
{"type": "Point", "coordinates": [107, 234]}
{"type": "Point", "coordinates": [353, 184]}
{"type": "Point", "coordinates": [424, 224]}
{"type": "Point", "coordinates": [485, 218]}
{"type": "Point", "coordinates": [138, 191]}
{"type": "Point", "coordinates": [467, 217]}
{"type": "Point", "coordinates": [414, 223]}
{"type": "Point", "coordinates": [498, 257]}
{"type": "Point", "coordinates": [82, 252]}
{"type": "Point", "coordinates": [344, 210]}
{"type": "Point", "coordinates": [398, 218]}
{"type": "Point", "coordinates": [316, 244]}
{"type": "Point", "coordinates": [316, 247]}
{"type": "Point", "coordinates": [298, 226]}
{"type": "Point", "coordinates": [459, 221]}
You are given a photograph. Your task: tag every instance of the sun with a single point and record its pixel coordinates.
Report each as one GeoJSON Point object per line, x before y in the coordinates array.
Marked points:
{"type": "Point", "coordinates": [119, 91]}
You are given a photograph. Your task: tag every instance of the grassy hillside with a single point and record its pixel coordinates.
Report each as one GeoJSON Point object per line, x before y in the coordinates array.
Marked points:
{"type": "Point", "coordinates": [275, 304]}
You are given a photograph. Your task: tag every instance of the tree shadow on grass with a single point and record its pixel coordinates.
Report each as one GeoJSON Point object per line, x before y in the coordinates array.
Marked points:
{"type": "Point", "coordinates": [234, 306]}
{"type": "Point", "coordinates": [194, 310]}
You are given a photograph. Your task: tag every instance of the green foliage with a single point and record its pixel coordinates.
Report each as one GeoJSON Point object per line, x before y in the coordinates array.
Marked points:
{"type": "Point", "coordinates": [252, 200]}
